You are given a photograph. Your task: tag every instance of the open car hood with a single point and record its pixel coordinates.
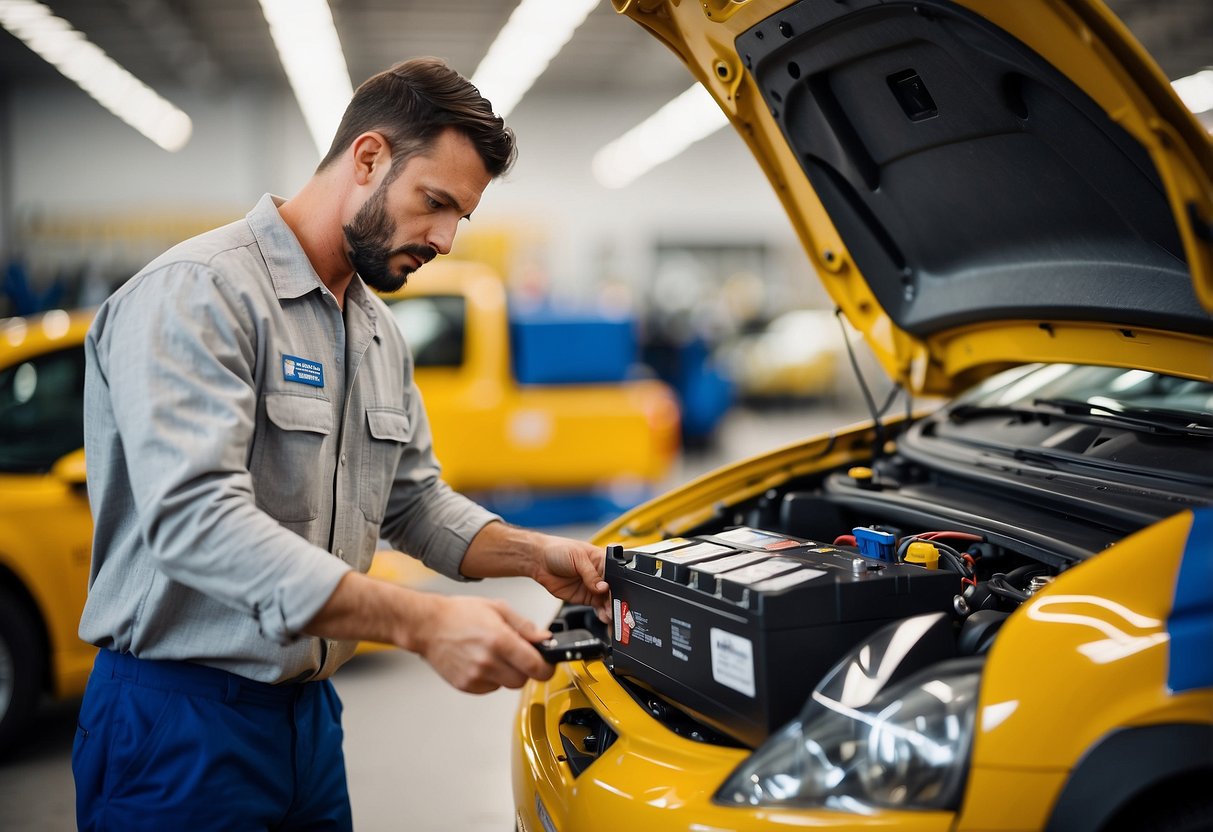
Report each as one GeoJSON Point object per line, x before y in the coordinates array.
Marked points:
{"type": "Point", "coordinates": [979, 183]}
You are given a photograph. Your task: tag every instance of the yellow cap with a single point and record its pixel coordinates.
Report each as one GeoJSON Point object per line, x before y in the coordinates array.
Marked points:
{"type": "Point", "coordinates": [923, 553]}
{"type": "Point", "coordinates": [859, 473]}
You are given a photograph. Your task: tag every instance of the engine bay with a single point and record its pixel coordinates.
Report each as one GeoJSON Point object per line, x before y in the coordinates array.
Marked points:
{"type": "Point", "coordinates": [746, 611]}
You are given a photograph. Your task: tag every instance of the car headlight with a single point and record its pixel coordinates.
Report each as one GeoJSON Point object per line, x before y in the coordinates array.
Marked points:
{"type": "Point", "coordinates": [907, 747]}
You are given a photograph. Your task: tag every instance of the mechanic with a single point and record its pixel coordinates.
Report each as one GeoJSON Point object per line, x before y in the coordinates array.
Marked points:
{"type": "Point", "coordinates": [252, 430]}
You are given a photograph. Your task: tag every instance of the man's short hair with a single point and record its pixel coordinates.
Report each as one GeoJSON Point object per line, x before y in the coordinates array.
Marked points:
{"type": "Point", "coordinates": [415, 101]}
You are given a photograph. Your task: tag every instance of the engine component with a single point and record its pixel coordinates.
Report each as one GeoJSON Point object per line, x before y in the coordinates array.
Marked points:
{"type": "Point", "coordinates": [738, 627]}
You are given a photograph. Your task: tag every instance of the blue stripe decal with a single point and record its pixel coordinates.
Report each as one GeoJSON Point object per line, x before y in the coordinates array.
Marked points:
{"type": "Point", "coordinates": [1191, 621]}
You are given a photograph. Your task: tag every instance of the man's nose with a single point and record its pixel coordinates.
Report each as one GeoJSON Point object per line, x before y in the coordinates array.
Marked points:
{"type": "Point", "coordinates": [442, 236]}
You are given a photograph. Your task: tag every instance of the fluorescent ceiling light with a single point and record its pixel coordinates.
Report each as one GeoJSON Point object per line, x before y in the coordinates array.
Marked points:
{"type": "Point", "coordinates": [311, 55]}
{"type": "Point", "coordinates": [1196, 91]}
{"type": "Point", "coordinates": [534, 34]}
{"type": "Point", "coordinates": [692, 116]}
{"type": "Point", "coordinates": [115, 89]}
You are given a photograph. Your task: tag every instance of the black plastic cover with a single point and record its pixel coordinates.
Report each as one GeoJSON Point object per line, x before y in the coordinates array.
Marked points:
{"type": "Point", "coordinates": [969, 179]}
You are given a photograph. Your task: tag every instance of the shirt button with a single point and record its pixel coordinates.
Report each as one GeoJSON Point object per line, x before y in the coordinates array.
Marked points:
{"type": "Point", "coordinates": [343, 459]}
{"type": "Point", "coordinates": [340, 553]}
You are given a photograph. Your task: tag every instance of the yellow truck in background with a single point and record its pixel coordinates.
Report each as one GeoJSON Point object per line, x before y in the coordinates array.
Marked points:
{"type": "Point", "coordinates": [538, 416]}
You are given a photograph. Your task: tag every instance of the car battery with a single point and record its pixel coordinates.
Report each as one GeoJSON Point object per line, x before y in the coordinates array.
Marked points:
{"type": "Point", "coordinates": [737, 628]}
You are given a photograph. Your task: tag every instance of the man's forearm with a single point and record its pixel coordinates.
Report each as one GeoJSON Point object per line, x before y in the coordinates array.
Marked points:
{"type": "Point", "coordinates": [499, 550]}
{"type": "Point", "coordinates": [571, 570]}
{"type": "Point", "coordinates": [362, 608]}
{"type": "Point", "coordinates": [365, 609]}
{"type": "Point", "coordinates": [476, 644]}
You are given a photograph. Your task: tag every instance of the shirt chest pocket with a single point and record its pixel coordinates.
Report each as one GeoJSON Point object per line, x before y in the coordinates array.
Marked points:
{"type": "Point", "coordinates": [287, 463]}
{"type": "Point", "coordinates": [388, 431]}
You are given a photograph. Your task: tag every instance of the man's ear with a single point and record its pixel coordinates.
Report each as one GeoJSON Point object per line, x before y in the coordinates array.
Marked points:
{"type": "Point", "coordinates": [370, 152]}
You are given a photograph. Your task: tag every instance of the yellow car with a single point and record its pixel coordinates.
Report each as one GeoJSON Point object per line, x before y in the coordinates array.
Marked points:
{"type": "Point", "coordinates": [993, 615]}
{"type": "Point", "coordinates": [45, 526]}
{"type": "Point", "coordinates": [796, 356]}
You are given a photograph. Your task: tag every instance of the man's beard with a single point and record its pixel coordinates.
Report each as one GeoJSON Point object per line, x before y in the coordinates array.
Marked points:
{"type": "Point", "coordinates": [367, 237]}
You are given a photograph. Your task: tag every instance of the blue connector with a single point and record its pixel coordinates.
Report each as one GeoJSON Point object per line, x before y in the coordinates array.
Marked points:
{"type": "Point", "coordinates": [873, 543]}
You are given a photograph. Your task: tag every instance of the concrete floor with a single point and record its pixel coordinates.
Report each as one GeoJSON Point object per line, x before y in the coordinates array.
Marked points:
{"type": "Point", "coordinates": [420, 756]}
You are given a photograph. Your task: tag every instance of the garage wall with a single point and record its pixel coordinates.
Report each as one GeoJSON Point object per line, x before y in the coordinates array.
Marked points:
{"type": "Point", "coordinates": [73, 165]}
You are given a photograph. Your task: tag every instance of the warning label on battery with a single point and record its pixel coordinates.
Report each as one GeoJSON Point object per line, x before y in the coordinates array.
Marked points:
{"type": "Point", "coordinates": [630, 624]}
{"type": "Point", "coordinates": [623, 624]}
{"type": "Point", "coordinates": [733, 661]}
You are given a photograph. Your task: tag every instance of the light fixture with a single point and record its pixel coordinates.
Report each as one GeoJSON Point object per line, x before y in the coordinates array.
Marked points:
{"type": "Point", "coordinates": [1196, 90]}
{"type": "Point", "coordinates": [311, 55]}
{"type": "Point", "coordinates": [112, 86]}
{"type": "Point", "coordinates": [692, 116]}
{"type": "Point", "coordinates": [534, 34]}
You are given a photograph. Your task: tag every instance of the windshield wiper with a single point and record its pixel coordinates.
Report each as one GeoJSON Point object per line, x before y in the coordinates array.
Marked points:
{"type": "Point", "coordinates": [1151, 419]}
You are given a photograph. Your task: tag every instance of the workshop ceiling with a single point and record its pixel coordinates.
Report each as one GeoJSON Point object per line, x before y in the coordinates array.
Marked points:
{"type": "Point", "coordinates": [213, 44]}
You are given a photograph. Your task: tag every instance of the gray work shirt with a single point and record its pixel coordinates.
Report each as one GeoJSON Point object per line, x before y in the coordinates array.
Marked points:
{"type": "Point", "coordinates": [248, 443]}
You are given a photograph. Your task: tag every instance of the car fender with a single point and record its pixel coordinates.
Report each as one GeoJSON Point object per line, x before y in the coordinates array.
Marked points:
{"type": "Point", "coordinates": [1126, 765]}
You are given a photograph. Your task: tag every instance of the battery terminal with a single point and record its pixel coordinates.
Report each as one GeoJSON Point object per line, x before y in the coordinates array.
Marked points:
{"type": "Point", "coordinates": [875, 543]}
{"type": "Point", "coordinates": [922, 553]}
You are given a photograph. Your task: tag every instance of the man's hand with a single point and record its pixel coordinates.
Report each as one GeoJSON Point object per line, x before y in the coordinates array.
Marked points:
{"type": "Point", "coordinates": [572, 571]}
{"type": "Point", "coordinates": [569, 569]}
{"type": "Point", "coordinates": [476, 644]}
{"type": "Point", "coordinates": [480, 644]}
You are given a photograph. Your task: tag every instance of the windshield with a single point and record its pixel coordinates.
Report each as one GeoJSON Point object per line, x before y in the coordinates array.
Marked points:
{"type": "Point", "coordinates": [41, 410]}
{"type": "Point", "coordinates": [434, 327]}
{"type": "Point", "coordinates": [1108, 390]}
{"type": "Point", "coordinates": [1144, 431]}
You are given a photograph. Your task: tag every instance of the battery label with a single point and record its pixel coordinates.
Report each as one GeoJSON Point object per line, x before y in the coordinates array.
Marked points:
{"type": "Point", "coordinates": [696, 553]}
{"type": "Point", "coordinates": [703, 575]}
{"type": "Point", "coordinates": [796, 578]}
{"type": "Point", "coordinates": [680, 639]}
{"type": "Point", "coordinates": [662, 545]}
{"type": "Point", "coordinates": [733, 661]}
{"type": "Point", "coordinates": [715, 567]}
{"type": "Point", "coordinates": [757, 572]}
{"type": "Point", "coordinates": [753, 537]}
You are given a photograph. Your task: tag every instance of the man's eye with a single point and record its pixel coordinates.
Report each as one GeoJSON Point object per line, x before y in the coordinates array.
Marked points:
{"type": "Point", "coordinates": [432, 203]}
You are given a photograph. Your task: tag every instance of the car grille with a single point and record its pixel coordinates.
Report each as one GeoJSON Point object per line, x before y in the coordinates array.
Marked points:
{"type": "Point", "coordinates": [585, 736]}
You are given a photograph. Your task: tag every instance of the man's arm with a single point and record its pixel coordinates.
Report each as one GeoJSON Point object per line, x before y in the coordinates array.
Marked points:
{"type": "Point", "coordinates": [571, 570]}
{"type": "Point", "coordinates": [476, 644]}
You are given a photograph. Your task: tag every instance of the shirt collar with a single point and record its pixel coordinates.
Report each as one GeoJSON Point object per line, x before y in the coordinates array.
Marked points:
{"type": "Point", "coordinates": [357, 295]}
{"type": "Point", "coordinates": [290, 270]}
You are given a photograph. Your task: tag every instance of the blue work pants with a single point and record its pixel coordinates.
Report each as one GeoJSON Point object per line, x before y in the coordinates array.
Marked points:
{"type": "Point", "coordinates": [179, 746]}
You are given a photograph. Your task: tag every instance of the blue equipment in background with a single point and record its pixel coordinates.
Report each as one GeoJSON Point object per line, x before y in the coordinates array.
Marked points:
{"type": "Point", "coordinates": [551, 347]}
{"type": "Point", "coordinates": [704, 390]}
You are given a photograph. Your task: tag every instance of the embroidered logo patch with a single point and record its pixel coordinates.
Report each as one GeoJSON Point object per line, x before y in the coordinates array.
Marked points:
{"type": "Point", "coordinates": [302, 370]}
